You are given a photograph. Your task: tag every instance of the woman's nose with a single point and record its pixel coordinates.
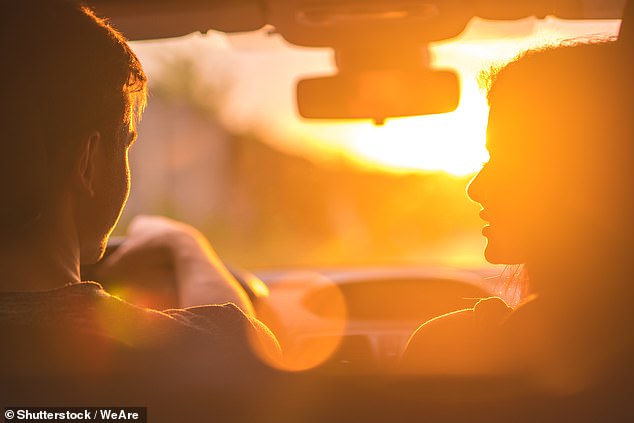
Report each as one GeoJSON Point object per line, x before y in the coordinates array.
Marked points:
{"type": "Point", "coordinates": [474, 189]}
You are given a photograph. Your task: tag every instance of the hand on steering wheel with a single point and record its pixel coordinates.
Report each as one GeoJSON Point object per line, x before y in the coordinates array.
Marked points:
{"type": "Point", "coordinates": [163, 263]}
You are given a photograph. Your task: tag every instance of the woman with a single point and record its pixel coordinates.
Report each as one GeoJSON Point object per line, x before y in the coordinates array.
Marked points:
{"type": "Point", "coordinates": [557, 196]}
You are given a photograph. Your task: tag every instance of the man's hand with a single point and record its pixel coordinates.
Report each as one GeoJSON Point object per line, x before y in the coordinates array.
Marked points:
{"type": "Point", "coordinates": [161, 256]}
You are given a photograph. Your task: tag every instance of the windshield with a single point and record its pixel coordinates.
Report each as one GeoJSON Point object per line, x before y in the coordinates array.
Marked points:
{"type": "Point", "coordinates": [221, 146]}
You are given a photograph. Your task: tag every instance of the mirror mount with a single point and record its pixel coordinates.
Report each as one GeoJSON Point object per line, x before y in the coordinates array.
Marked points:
{"type": "Point", "coordinates": [398, 56]}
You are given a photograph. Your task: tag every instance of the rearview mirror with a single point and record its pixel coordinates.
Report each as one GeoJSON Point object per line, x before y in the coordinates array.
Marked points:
{"type": "Point", "coordinates": [378, 94]}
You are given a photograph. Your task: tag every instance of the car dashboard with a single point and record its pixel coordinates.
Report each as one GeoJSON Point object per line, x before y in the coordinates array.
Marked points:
{"type": "Point", "coordinates": [359, 320]}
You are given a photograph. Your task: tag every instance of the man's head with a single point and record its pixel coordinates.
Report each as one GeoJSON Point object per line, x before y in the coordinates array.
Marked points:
{"type": "Point", "coordinates": [72, 93]}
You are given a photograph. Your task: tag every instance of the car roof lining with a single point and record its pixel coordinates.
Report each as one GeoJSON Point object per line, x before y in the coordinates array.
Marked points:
{"type": "Point", "coordinates": [152, 19]}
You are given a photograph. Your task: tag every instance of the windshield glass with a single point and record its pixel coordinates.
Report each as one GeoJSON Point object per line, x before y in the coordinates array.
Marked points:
{"type": "Point", "coordinates": [221, 146]}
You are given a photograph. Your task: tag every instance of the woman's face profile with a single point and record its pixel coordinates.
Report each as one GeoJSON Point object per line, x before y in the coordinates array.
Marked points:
{"type": "Point", "coordinates": [507, 186]}
{"type": "Point", "coordinates": [532, 190]}
{"type": "Point", "coordinates": [560, 151]}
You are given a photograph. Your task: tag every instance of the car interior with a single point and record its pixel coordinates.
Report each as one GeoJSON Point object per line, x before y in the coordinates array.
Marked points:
{"type": "Point", "coordinates": [291, 142]}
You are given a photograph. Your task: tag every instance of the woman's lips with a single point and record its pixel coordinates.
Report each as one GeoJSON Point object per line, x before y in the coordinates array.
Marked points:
{"type": "Point", "coordinates": [485, 216]}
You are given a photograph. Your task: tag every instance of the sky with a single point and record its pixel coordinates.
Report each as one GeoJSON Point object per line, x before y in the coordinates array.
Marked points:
{"type": "Point", "coordinates": [260, 71]}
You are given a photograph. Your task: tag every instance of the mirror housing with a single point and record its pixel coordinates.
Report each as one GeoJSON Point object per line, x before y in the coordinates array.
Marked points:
{"type": "Point", "coordinates": [378, 94]}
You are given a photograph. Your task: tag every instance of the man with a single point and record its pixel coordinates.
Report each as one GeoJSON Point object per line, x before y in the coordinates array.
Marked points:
{"type": "Point", "coordinates": [72, 94]}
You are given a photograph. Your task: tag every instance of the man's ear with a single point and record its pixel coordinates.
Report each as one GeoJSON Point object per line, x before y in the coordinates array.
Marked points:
{"type": "Point", "coordinates": [85, 165]}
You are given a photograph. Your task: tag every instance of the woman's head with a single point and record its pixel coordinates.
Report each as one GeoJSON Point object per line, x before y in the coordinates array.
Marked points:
{"type": "Point", "coordinates": [560, 147]}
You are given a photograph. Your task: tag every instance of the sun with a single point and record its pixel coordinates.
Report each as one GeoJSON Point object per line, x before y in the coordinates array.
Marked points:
{"type": "Point", "coordinates": [452, 142]}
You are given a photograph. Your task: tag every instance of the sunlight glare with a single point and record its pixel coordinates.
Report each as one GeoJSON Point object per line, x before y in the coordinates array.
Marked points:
{"type": "Point", "coordinates": [453, 142]}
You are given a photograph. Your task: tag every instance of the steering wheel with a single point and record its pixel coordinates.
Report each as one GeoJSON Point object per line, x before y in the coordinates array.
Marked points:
{"type": "Point", "coordinates": [252, 285]}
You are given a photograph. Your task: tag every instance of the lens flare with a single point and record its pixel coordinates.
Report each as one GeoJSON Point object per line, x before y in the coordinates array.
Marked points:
{"type": "Point", "coordinates": [307, 313]}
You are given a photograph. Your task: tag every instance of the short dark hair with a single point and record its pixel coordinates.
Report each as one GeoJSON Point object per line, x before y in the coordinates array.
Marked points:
{"type": "Point", "coordinates": [65, 73]}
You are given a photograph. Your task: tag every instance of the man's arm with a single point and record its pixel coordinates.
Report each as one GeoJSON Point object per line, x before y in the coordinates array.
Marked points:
{"type": "Point", "coordinates": [160, 251]}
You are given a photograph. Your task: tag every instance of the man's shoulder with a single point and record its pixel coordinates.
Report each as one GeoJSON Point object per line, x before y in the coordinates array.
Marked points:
{"type": "Point", "coordinates": [89, 307]}
{"type": "Point", "coordinates": [85, 307]}
{"type": "Point", "coordinates": [85, 321]}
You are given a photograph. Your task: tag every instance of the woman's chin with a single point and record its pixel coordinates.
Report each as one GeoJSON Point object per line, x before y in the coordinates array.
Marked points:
{"type": "Point", "coordinates": [495, 253]}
